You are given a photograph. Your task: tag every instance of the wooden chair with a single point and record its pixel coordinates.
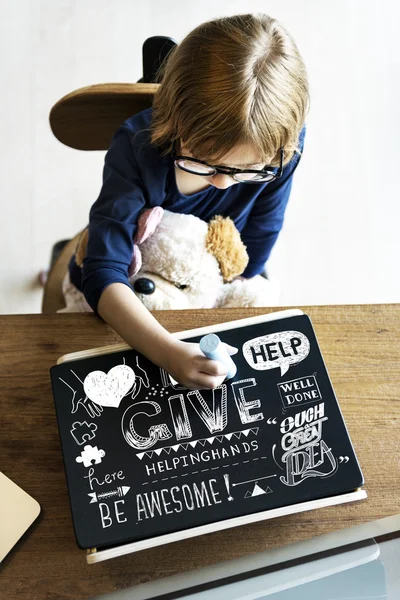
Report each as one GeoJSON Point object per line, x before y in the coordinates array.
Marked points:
{"type": "Point", "coordinates": [86, 119]}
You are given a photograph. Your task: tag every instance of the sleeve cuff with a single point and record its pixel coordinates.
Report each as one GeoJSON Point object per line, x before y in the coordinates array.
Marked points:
{"type": "Point", "coordinates": [93, 293]}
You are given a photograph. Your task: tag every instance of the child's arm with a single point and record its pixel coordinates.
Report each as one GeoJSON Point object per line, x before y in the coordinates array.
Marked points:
{"type": "Point", "coordinates": [124, 312]}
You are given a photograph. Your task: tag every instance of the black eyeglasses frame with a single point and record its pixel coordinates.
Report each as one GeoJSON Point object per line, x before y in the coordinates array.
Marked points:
{"type": "Point", "coordinates": [230, 170]}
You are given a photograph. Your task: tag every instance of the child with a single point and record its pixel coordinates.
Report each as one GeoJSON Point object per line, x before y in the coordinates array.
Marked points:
{"type": "Point", "coordinates": [224, 137]}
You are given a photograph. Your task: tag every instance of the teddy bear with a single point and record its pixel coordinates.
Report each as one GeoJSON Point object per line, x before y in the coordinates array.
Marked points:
{"type": "Point", "coordinates": [179, 262]}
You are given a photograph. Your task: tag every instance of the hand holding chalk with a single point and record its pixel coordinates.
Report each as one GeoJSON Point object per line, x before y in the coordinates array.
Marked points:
{"type": "Point", "coordinates": [214, 349]}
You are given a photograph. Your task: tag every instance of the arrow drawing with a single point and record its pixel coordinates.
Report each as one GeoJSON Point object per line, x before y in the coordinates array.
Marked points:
{"type": "Point", "coordinates": [121, 490]}
{"type": "Point", "coordinates": [250, 480]}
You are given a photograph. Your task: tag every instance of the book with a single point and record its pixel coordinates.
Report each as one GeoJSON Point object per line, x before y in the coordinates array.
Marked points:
{"type": "Point", "coordinates": [18, 511]}
{"type": "Point", "coordinates": [150, 462]}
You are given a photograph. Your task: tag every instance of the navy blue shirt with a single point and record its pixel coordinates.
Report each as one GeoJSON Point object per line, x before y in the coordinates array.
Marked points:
{"type": "Point", "coordinates": [136, 176]}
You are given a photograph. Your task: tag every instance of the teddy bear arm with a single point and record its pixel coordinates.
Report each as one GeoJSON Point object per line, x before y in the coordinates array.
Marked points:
{"type": "Point", "coordinates": [254, 292]}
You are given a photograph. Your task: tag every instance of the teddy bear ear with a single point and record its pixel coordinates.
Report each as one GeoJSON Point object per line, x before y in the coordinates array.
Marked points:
{"type": "Point", "coordinates": [81, 247]}
{"type": "Point", "coordinates": [147, 223]}
{"type": "Point", "coordinates": [136, 262]}
{"type": "Point", "coordinates": [224, 242]}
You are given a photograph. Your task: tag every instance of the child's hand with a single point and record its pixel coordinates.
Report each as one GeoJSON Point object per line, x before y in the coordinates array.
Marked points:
{"type": "Point", "coordinates": [189, 367]}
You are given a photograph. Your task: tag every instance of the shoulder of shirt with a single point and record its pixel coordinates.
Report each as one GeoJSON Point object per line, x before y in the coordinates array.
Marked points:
{"type": "Point", "coordinates": [138, 130]}
{"type": "Point", "coordinates": [302, 135]}
{"type": "Point", "coordinates": [299, 150]}
{"type": "Point", "coordinates": [140, 122]}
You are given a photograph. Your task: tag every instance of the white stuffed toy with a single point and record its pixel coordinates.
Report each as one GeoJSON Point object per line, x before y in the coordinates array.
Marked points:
{"type": "Point", "coordinates": [180, 261]}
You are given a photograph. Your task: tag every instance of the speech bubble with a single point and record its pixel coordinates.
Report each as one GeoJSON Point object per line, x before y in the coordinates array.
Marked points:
{"type": "Point", "coordinates": [280, 349]}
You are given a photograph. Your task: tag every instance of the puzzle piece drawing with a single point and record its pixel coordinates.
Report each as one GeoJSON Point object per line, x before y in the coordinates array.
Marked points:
{"type": "Point", "coordinates": [83, 432]}
{"type": "Point", "coordinates": [89, 454]}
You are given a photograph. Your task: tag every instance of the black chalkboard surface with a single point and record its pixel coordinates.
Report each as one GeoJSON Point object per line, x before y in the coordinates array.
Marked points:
{"type": "Point", "coordinates": [148, 461]}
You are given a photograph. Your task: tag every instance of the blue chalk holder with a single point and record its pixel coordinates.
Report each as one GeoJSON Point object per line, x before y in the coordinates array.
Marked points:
{"type": "Point", "coordinates": [213, 348]}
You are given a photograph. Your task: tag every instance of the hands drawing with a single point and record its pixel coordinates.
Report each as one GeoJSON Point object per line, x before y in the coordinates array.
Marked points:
{"type": "Point", "coordinates": [80, 399]}
{"type": "Point", "coordinates": [92, 409]}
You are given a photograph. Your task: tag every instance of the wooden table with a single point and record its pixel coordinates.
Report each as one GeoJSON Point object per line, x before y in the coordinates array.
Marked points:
{"type": "Point", "coordinates": [361, 346]}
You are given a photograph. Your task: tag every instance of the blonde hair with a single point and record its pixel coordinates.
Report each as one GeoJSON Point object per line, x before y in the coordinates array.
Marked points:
{"type": "Point", "coordinates": [231, 81]}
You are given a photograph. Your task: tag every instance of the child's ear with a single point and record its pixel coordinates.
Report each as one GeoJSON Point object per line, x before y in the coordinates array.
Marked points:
{"type": "Point", "coordinates": [224, 242]}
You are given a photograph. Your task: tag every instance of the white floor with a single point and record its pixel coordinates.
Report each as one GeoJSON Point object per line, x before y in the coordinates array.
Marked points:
{"type": "Point", "coordinates": [340, 242]}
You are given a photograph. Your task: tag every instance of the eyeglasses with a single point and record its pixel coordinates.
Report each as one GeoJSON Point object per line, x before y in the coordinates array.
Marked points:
{"type": "Point", "coordinates": [199, 167]}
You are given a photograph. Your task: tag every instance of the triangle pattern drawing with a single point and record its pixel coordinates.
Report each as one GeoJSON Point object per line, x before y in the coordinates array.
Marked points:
{"type": "Point", "coordinates": [257, 491]}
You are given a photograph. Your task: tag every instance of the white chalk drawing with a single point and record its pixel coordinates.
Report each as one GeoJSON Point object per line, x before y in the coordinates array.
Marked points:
{"type": "Point", "coordinates": [214, 413]}
{"type": "Point", "coordinates": [83, 431]}
{"type": "Point", "coordinates": [344, 459]}
{"type": "Point", "coordinates": [109, 389]}
{"type": "Point", "coordinates": [202, 457]}
{"type": "Point", "coordinates": [258, 491]}
{"type": "Point", "coordinates": [226, 481]}
{"type": "Point", "coordinates": [168, 381]}
{"type": "Point", "coordinates": [280, 349]}
{"type": "Point", "coordinates": [202, 442]}
{"type": "Point", "coordinates": [80, 399]}
{"type": "Point", "coordinates": [273, 456]}
{"type": "Point", "coordinates": [121, 490]}
{"type": "Point", "coordinates": [89, 455]}
{"type": "Point", "coordinates": [141, 380]}
{"type": "Point", "coordinates": [296, 391]}
{"type": "Point", "coordinates": [257, 479]}
{"type": "Point", "coordinates": [179, 498]}
{"type": "Point", "coordinates": [304, 450]}
{"type": "Point", "coordinates": [106, 479]}
{"type": "Point", "coordinates": [180, 417]}
{"type": "Point", "coordinates": [107, 513]}
{"type": "Point", "coordinates": [272, 421]}
{"type": "Point", "coordinates": [156, 432]}
{"type": "Point", "coordinates": [245, 406]}
{"type": "Point", "coordinates": [216, 418]}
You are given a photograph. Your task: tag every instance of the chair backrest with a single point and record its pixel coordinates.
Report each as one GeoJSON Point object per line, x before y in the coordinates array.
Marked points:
{"type": "Point", "coordinates": [87, 118]}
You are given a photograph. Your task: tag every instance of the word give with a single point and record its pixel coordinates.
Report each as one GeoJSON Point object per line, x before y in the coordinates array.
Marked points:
{"type": "Point", "coordinates": [215, 417]}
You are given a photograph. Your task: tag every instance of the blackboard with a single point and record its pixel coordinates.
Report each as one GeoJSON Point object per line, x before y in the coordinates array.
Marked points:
{"type": "Point", "coordinates": [145, 457]}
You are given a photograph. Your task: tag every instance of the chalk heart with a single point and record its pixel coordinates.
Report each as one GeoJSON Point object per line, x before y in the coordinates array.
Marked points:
{"type": "Point", "coordinates": [109, 389]}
